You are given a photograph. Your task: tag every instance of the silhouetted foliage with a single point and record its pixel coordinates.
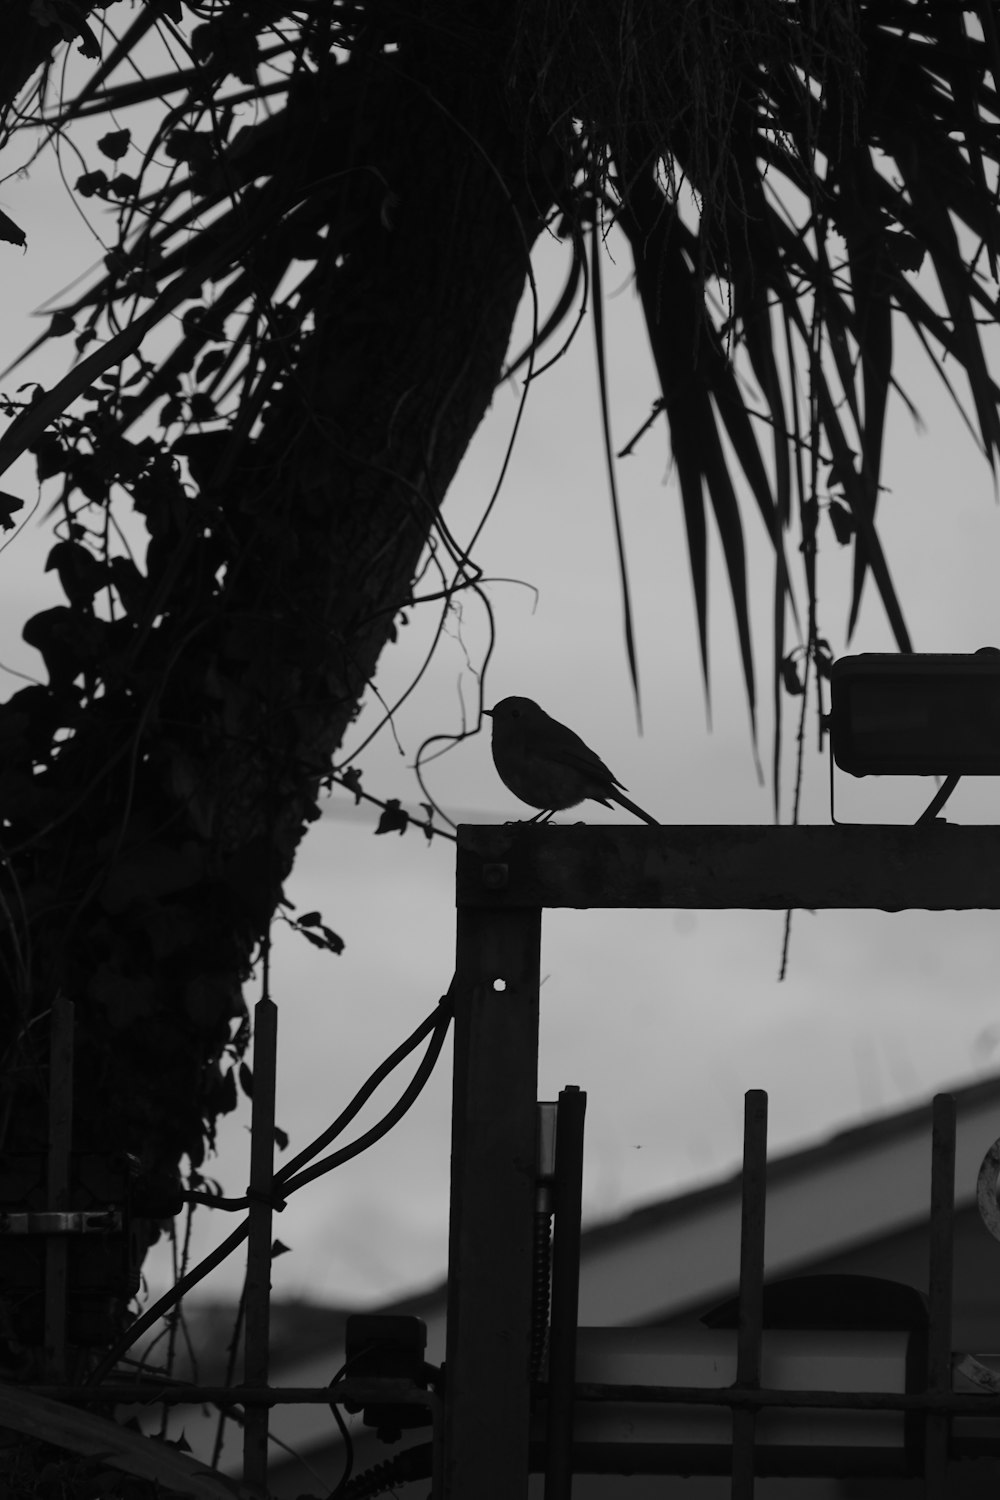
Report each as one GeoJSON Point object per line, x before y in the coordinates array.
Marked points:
{"type": "Point", "coordinates": [324, 218]}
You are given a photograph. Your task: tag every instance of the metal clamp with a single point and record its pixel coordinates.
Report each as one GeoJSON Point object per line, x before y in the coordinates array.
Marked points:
{"type": "Point", "coordinates": [986, 1190]}
{"type": "Point", "coordinates": [80, 1221]}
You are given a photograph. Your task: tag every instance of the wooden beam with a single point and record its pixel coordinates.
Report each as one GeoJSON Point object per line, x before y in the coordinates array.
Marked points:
{"type": "Point", "coordinates": [488, 1404]}
{"type": "Point", "coordinates": [938, 866]}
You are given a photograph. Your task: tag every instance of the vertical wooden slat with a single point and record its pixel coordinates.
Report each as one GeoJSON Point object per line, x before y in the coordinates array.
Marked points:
{"type": "Point", "coordinates": [940, 1282]}
{"type": "Point", "coordinates": [748, 1347]}
{"type": "Point", "coordinates": [567, 1195]}
{"type": "Point", "coordinates": [258, 1278]}
{"type": "Point", "coordinates": [488, 1403]}
{"type": "Point", "coordinates": [60, 1145]}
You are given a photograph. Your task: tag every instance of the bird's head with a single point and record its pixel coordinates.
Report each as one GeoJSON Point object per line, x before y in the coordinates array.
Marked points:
{"type": "Point", "coordinates": [510, 710]}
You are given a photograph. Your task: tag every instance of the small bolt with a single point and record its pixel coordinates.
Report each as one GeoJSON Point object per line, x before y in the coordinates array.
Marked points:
{"type": "Point", "coordinates": [495, 877]}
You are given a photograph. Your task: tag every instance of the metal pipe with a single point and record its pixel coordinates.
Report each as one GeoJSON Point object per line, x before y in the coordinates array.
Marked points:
{"type": "Point", "coordinates": [939, 1285]}
{"type": "Point", "coordinates": [566, 1203]}
{"type": "Point", "coordinates": [258, 1276]}
{"type": "Point", "coordinates": [541, 1271]}
{"type": "Point", "coordinates": [149, 1393]}
{"type": "Point", "coordinates": [748, 1344]}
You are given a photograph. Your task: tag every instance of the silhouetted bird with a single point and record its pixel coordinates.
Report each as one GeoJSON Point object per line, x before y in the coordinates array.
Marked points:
{"type": "Point", "coordinates": [547, 765]}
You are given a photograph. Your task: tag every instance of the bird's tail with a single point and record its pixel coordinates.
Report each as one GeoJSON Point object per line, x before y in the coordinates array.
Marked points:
{"type": "Point", "coordinates": [616, 796]}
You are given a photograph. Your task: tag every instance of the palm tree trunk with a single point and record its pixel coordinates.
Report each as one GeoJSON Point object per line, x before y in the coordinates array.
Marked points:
{"type": "Point", "coordinates": [144, 863]}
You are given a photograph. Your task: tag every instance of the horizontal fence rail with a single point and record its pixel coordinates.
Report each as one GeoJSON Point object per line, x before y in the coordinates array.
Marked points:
{"type": "Point", "coordinates": [936, 866]}
{"type": "Point", "coordinates": [742, 1397]}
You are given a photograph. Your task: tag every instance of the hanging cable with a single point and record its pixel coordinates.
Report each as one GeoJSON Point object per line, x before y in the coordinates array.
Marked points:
{"type": "Point", "coordinates": [437, 1024]}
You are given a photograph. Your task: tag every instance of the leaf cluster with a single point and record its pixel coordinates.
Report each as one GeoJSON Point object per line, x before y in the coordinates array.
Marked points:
{"type": "Point", "coordinates": [793, 181]}
{"type": "Point", "coordinates": [786, 175]}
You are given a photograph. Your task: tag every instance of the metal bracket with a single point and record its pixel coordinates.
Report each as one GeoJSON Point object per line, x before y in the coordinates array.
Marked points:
{"type": "Point", "coordinates": [82, 1221]}
{"type": "Point", "coordinates": [978, 1374]}
{"type": "Point", "coordinates": [986, 1190]}
{"type": "Point", "coordinates": [929, 813]}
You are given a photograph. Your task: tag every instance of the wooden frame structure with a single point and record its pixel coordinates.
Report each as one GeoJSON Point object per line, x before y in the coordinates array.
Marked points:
{"type": "Point", "coordinates": [505, 877]}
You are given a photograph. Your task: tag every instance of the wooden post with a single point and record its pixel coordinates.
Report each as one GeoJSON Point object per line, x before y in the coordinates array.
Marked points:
{"type": "Point", "coordinates": [488, 1397]}
{"type": "Point", "coordinates": [515, 871]}
{"type": "Point", "coordinates": [567, 1194]}
{"type": "Point", "coordinates": [58, 1183]}
{"type": "Point", "coordinates": [258, 1279]}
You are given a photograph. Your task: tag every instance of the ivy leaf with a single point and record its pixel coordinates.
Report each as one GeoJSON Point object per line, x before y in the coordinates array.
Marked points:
{"type": "Point", "coordinates": [332, 941]}
{"type": "Point", "coordinates": [129, 583]}
{"type": "Point", "coordinates": [329, 940]}
{"type": "Point", "coordinates": [394, 818]}
{"type": "Point", "coordinates": [123, 185]}
{"type": "Point", "coordinates": [180, 1443]}
{"type": "Point", "coordinates": [280, 1138]}
{"type": "Point", "coordinates": [906, 251]}
{"type": "Point", "coordinates": [50, 456]}
{"type": "Point", "coordinates": [8, 505]}
{"type": "Point", "coordinates": [238, 49]}
{"type": "Point", "coordinates": [278, 1248]}
{"type": "Point", "coordinates": [841, 470]}
{"type": "Point", "coordinates": [224, 1098]}
{"type": "Point", "coordinates": [88, 43]}
{"type": "Point", "coordinates": [210, 363]}
{"type": "Point", "coordinates": [66, 639]}
{"type": "Point", "coordinates": [202, 407]}
{"type": "Point", "coordinates": [194, 146]}
{"type": "Point", "coordinates": [351, 778]}
{"type": "Point", "coordinates": [842, 522]}
{"type": "Point", "coordinates": [11, 232]}
{"type": "Point", "coordinates": [91, 183]}
{"type": "Point", "coordinates": [81, 574]}
{"type": "Point", "coordinates": [324, 938]}
{"type": "Point", "coordinates": [115, 143]}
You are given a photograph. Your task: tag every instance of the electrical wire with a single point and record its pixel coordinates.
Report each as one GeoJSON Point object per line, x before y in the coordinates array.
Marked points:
{"type": "Point", "coordinates": [345, 1436]}
{"type": "Point", "coordinates": [437, 1024]}
{"type": "Point", "coordinates": [286, 1176]}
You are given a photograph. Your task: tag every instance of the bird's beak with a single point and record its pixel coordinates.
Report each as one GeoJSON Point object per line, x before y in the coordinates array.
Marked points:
{"type": "Point", "coordinates": [488, 712]}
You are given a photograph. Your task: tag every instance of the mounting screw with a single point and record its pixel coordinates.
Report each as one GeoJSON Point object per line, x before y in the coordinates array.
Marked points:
{"type": "Point", "coordinates": [495, 877]}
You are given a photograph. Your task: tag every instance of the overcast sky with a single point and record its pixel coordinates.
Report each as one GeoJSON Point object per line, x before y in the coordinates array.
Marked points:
{"type": "Point", "coordinates": [664, 1018]}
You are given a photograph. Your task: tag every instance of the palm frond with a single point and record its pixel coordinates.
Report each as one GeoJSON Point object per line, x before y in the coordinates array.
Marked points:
{"type": "Point", "coordinates": [853, 170]}
{"type": "Point", "coordinates": [794, 180]}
